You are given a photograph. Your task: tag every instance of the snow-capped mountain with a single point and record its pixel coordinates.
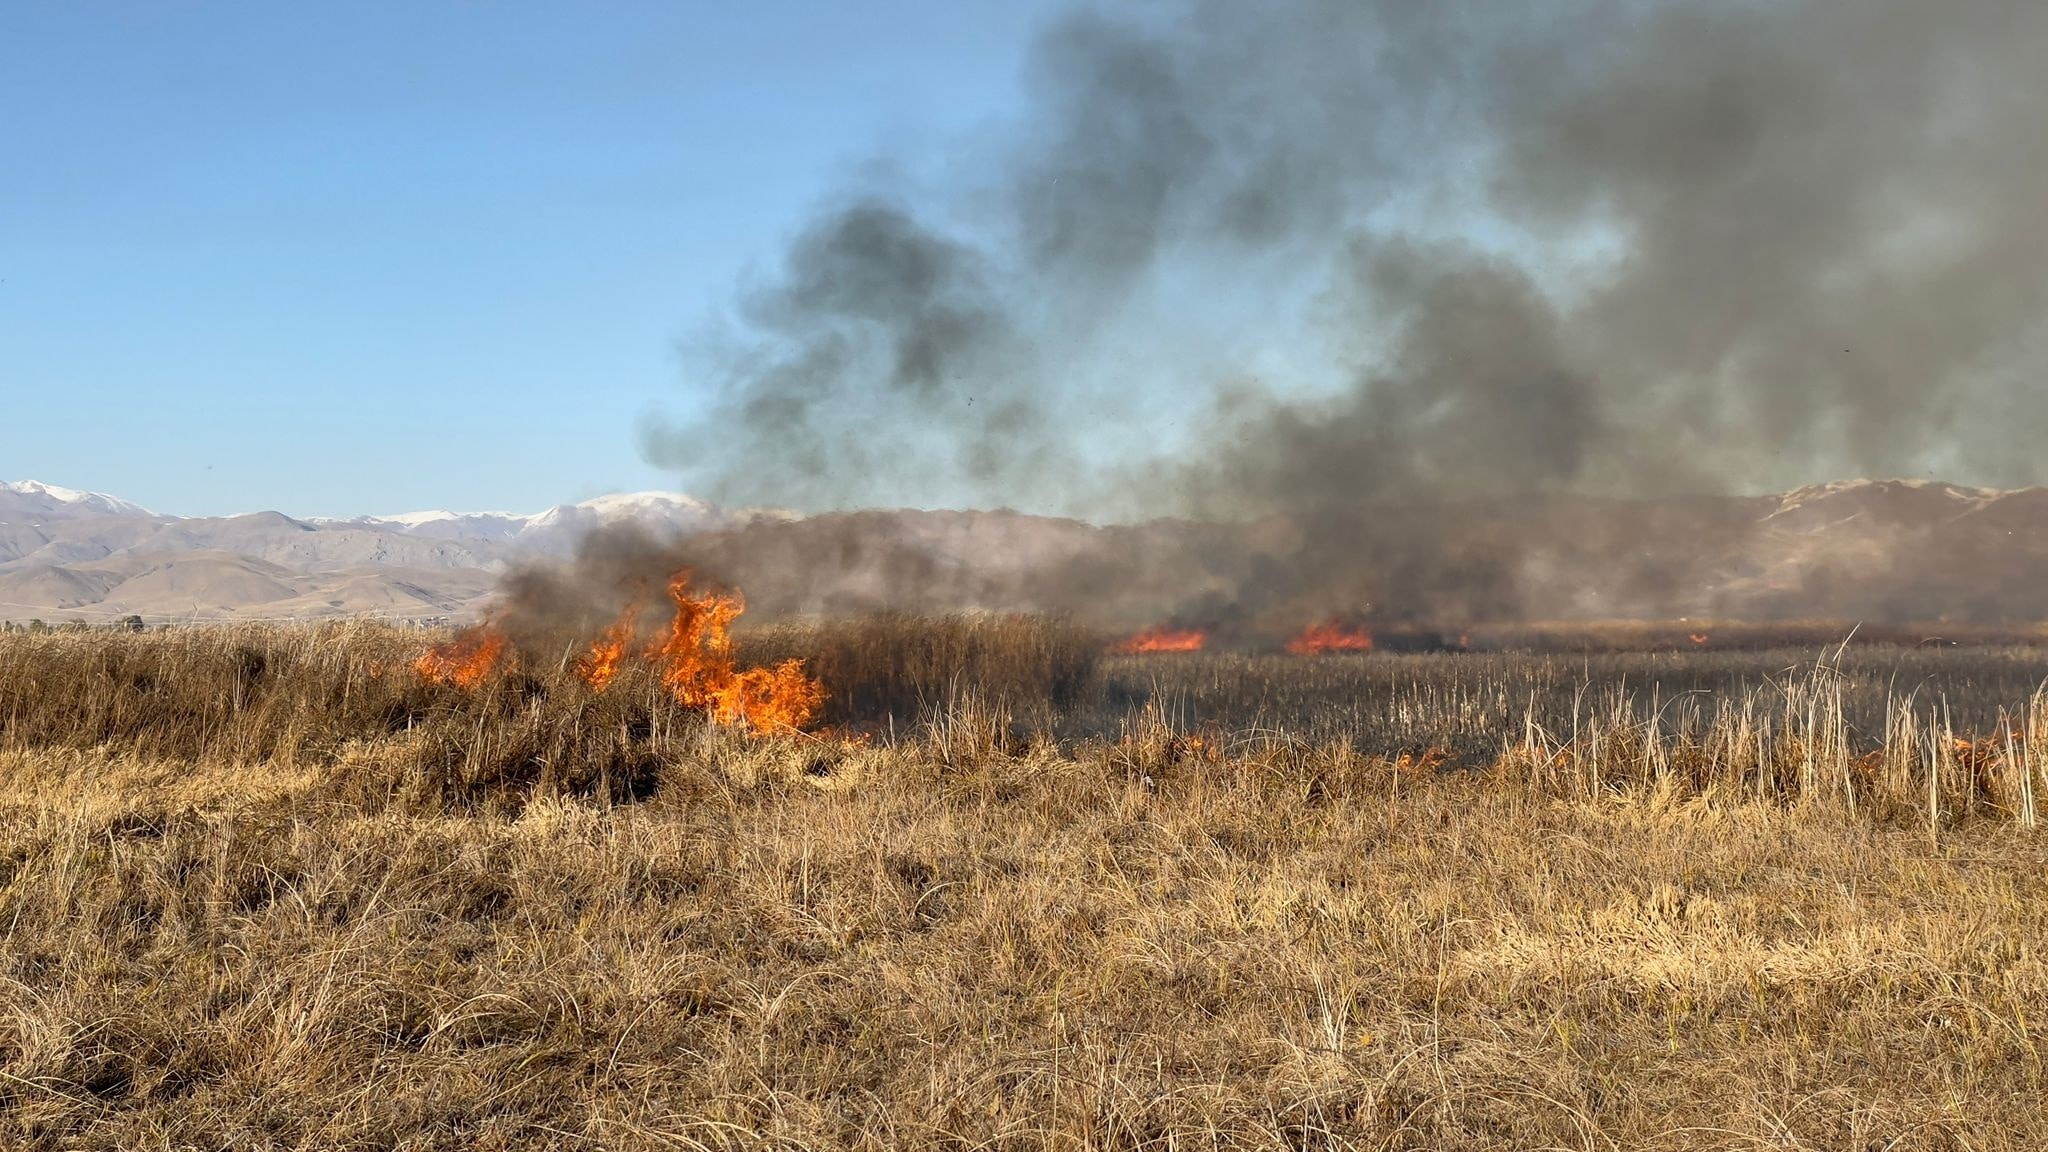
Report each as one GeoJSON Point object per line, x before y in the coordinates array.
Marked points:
{"type": "Point", "coordinates": [555, 528]}
{"type": "Point", "coordinates": [658, 512]}
{"type": "Point", "coordinates": [22, 499]}
{"type": "Point", "coordinates": [1873, 502]}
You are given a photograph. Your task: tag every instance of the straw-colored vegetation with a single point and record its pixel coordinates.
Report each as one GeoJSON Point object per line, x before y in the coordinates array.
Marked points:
{"type": "Point", "coordinates": [263, 889]}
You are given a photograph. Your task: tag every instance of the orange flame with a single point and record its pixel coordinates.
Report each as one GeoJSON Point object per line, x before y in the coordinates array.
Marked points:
{"type": "Point", "coordinates": [694, 658]}
{"type": "Point", "coordinates": [696, 662]}
{"type": "Point", "coordinates": [464, 661]}
{"type": "Point", "coordinates": [1164, 640]}
{"type": "Point", "coordinates": [1699, 637]}
{"type": "Point", "coordinates": [600, 666]}
{"type": "Point", "coordinates": [1330, 636]}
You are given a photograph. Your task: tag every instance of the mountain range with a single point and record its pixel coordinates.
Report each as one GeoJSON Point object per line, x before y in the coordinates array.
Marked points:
{"type": "Point", "coordinates": [1917, 550]}
{"type": "Point", "coordinates": [68, 554]}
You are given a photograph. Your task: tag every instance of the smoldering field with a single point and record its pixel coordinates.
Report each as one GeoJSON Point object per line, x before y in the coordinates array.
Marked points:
{"type": "Point", "coordinates": [272, 888]}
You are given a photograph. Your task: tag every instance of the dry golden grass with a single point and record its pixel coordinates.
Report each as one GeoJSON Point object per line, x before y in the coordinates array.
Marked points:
{"type": "Point", "coordinates": [405, 935]}
{"type": "Point", "coordinates": [896, 667]}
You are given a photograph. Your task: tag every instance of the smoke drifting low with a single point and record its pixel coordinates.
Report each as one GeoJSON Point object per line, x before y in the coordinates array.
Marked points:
{"type": "Point", "coordinates": [1349, 267]}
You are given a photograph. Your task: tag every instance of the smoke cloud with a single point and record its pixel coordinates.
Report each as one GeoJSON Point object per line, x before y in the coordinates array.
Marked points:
{"type": "Point", "coordinates": [1350, 268]}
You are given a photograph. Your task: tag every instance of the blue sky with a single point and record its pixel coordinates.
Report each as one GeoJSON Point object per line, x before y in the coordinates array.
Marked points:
{"type": "Point", "coordinates": [375, 257]}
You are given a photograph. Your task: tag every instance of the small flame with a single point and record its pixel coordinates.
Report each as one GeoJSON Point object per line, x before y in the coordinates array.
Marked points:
{"type": "Point", "coordinates": [464, 661]}
{"type": "Point", "coordinates": [1330, 636]}
{"type": "Point", "coordinates": [600, 666]}
{"type": "Point", "coordinates": [1164, 640]}
{"type": "Point", "coordinates": [1699, 637]}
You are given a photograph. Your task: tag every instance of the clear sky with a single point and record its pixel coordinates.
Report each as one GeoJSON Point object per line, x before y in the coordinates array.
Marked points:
{"type": "Point", "coordinates": [377, 257]}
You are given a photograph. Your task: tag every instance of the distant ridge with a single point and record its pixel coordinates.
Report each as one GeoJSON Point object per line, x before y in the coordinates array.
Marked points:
{"type": "Point", "coordinates": [1918, 550]}
{"type": "Point", "coordinates": [71, 554]}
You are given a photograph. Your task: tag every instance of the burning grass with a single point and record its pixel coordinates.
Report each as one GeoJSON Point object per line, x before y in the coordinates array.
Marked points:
{"type": "Point", "coordinates": [1330, 636]}
{"type": "Point", "coordinates": [269, 888]}
{"type": "Point", "coordinates": [693, 659]}
{"type": "Point", "coordinates": [1162, 640]}
{"type": "Point", "coordinates": [465, 661]}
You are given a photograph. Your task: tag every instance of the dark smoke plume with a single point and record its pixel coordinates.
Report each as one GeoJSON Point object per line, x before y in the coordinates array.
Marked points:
{"type": "Point", "coordinates": [1352, 269]}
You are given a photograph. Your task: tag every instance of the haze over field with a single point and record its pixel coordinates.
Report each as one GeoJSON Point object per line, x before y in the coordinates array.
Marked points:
{"type": "Point", "coordinates": [1906, 551]}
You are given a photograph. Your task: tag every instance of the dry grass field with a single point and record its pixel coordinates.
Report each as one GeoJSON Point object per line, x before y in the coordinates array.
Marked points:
{"type": "Point", "coordinates": [271, 889]}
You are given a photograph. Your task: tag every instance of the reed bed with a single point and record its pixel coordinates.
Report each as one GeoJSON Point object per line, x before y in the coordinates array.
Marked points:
{"type": "Point", "coordinates": [892, 668]}
{"type": "Point", "coordinates": [1946, 733]}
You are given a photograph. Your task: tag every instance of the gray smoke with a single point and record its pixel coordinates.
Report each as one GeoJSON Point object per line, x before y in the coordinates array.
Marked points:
{"type": "Point", "coordinates": [1477, 251]}
{"type": "Point", "coordinates": [877, 328]}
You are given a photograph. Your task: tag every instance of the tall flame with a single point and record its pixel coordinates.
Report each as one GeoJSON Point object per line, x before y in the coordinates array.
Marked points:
{"type": "Point", "coordinates": [1164, 640]}
{"type": "Point", "coordinates": [696, 663]}
{"type": "Point", "coordinates": [1330, 636]}
{"type": "Point", "coordinates": [464, 661]}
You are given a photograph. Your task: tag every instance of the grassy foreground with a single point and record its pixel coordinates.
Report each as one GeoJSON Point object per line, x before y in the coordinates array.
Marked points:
{"type": "Point", "coordinates": [404, 920]}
